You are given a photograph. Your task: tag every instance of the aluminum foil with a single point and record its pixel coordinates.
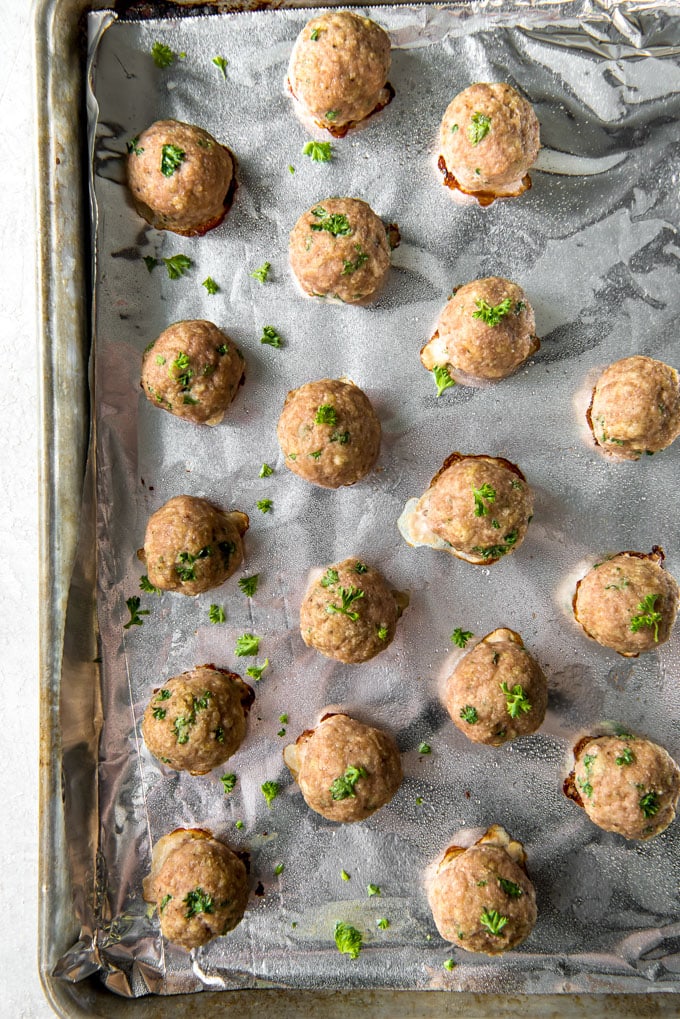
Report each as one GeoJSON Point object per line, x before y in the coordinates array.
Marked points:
{"type": "Point", "coordinates": [594, 244]}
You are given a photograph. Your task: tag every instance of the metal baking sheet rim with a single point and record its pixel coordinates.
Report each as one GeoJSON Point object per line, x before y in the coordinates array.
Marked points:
{"type": "Point", "coordinates": [64, 333]}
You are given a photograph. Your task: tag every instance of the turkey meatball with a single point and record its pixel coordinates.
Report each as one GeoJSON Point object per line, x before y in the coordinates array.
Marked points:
{"type": "Point", "coordinates": [628, 603]}
{"type": "Point", "coordinates": [191, 546]}
{"type": "Point", "coordinates": [338, 70]}
{"type": "Point", "coordinates": [486, 331]}
{"type": "Point", "coordinates": [350, 613]}
{"type": "Point", "coordinates": [181, 179]}
{"type": "Point", "coordinates": [346, 771]}
{"type": "Point", "coordinates": [199, 886]}
{"type": "Point", "coordinates": [481, 898]}
{"type": "Point", "coordinates": [477, 508]}
{"type": "Point", "coordinates": [635, 407]}
{"type": "Point", "coordinates": [488, 139]}
{"type": "Point", "coordinates": [197, 720]}
{"type": "Point", "coordinates": [497, 692]}
{"type": "Point", "coordinates": [339, 248]}
{"type": "Point", "coordinates": [329, 433]}
{"type": "Point", "coordinates": [625, 784]}
{"type": "Point", "coordinates": [193, 370]}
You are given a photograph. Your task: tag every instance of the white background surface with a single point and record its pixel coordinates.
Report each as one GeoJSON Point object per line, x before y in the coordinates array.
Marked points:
{"type": "Point", "coordinates": [21, 996]}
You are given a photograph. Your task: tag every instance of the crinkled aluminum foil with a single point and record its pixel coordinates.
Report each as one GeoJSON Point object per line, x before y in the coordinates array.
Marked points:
{"type": "Point", "coordinates": [595, 245]}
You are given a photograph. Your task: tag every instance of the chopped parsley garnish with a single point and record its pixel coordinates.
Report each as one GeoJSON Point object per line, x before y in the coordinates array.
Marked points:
{"type": "Point", "coordinates": [265, 505]}
{"type": "Point", "coordinates": [314, 35]}
{"type": "Point", "coordinates": [335, 223]}
{"type": "Point", "coordinates": [146, 585]}
{"type": "Point", "coordinates": [229, 782]}
{"type": "Point", "coordinates": [342, 788]}
{"type": "Point", "coordinates": [162, 55]}
{"type": "Point", "coordinates": [249, 584]}
{"type": "Point", "coordinates": [239, 825]}
{"type": "Point", "coordinates": [177, 266]}
{"type": "Point", "coordinates": [221, 64]}
{"type": "Point", "coordinates": [270, 790]}
{"type": "Point", "coordinates": [283, 719]}
{"type": "Point", "coordinates": [164, 695]}
{"type": "Point", "coordinates": [216, 614]}
{"type": "Point", "coordinates": [482, 496]}
{"type": "Point", "coordinates": [478, 128]}
{"type": "Point", "coordinates": [373, 890]}
{"type": "Point", "coordinates": [516, 699]}
{"type": "Point", "coordinates": [625, 757]}
{"type": "Point", "coordinates": [510, 888]}
{"type": "Point", "coordinates": [291, 168]}
{"type": "Point", "coordinates": [171, 158]}
{"type": "Point", "coordinates": [150, 262]}
{"type": "Point", "coordinates": [185, 567]}
{"type": "Point", "coordinates": [344, 875]}
{"type": "Point", "coordinates": [649, 804]}
{"type": "Point", "coordinates": [160, 360]}
{"type": "Point", "coordinates": [316, 455]}
{"type": "Point", "coordinates": [382, 632]}
{"type": "Point", "coordinates": [210, 285]}
{"type": "Point", "coordinates": [519, 307]}
{"type": "Point", "coordinates": [278, 869]}
{"type": "Point", "coordinates": [361, 568]}
{"type": "Point", "coordinates": [442, 378]}
{"type": "Point", "coordinates": [461, 637]}
{"type": "Point", "coordinates": [469, 714]}
{"type": "Point", "coordinates": [266, 471]}
{"type": "Point", "coordinates": [347, 596]}
{"type": "Point", "coordinates": [271, 337]}
{"type": "Point", "coordinates": [493, 921]}
{"type": "Point", "coordinates": [164, 901]}
{"type": "Point", "coordinates": [495, 551]}
{"type": "Point", "coordinates": [219, 734]}
{"type": "Point", "coordinates": [424, 748]}
{"type": "Point", "coordinates": [341, 437]}
{"type": "Point", "coordinates": [348, 940]}
{"type": "Point", "coordinates": [281, 732]}
{"type": "Point", "coordinates": [135, 612]}
{"type": "Point", "coordinates": [349, 266]}
{"type": "Point", "coordinates": [197, 902]}
{"type": "Point", "coordinates": [255, 671]}
{"type": "Point", "coordinates": [383, 923]}
{"type": "Point", "coordinates": [159, 714]}
{"type": "Point", "coordinates": [132, 146]}
{"type": "Point", "coordinates": [326, 415]}
{"type": "Point", "coordinates": [247, 644]}
{"type": "Point", "coordinates": [329, 578]}
{"type": "Point", "coordinates": [331, 114]}
{"type": "Point", "coordinates": [454, 128]}
{"type": "Point", "coordinates": [222, 349]}
{"type": "Point", "coordinates": [491, 314]}
{"type": "Point", "coordinates": [261, 274]}
{"type": "Point", "coordinates": [449, 963]}
{"type": "Point", "coordinates": [647, 616]}
{"type": "Point", "coordinates": [319, 152]}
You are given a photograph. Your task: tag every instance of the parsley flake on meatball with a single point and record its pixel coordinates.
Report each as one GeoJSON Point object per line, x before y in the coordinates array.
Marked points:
{"type": "Point", "coordinates": [199, 887]}
{"type": "Point", "coordinates": [346, 770]}
{"type": "Point", "coordinates": [180, 177]}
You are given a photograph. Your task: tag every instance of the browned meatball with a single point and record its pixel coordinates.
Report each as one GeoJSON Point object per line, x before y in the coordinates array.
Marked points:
{"type": "Point", "coordinates": [199, 886]}
{"type": "Point", "coordinates": [628, 603]}
{"type": "Point", "coordinates": [486, 331]}
{"type": "Point", "coordinates": [635, 407]}
{"type": "Point", "coordinates": [488, 139]}
{"type": "Point", "coordinates": [191, 546]}
{"type": "Point", "coordinates": [626, 785]}
{"type": "Point", "coordinates": [350, 613]}
{"type": "Point", "coordinates": [329, 433]}
{"type": "Point", "coordinates": [193, 370]}
{"type": "Point", "coordinates": [338, 69]}
{"type": "Point", "coordinates": [497, 692]}
{"type": "Point", "coordinates": [197, 720]}
{"type": "Point", "coordinates": [339, 248]}
{"type": "Point", "coordinates": [481, 898]}
{"type": "Point", "coordinates": [477, 508]}
{"type": "Point", "coordinates": [181, 179]}
{"type": "Point", "coordinates": [346, 771]}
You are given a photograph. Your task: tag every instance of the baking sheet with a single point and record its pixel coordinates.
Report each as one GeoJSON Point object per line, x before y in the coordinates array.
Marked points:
{"type": "Point", "coordinates": [595, 247]}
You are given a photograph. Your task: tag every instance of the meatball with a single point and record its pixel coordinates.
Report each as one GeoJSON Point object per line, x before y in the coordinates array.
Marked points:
{"type": "Point", "coordinates": [339, 248]}
{"type": "Point", "coordinates": [346, 771]}
{"type": "Point", "coordinates": [193, 370]}
{"type": "Point", "coordinates": [488, 139]}
{"type": "Point", "coordinates": [197, 720]}
{"type": "Point", "coordinates": [191, 546]}
{"type": "Point", "coordinates": [329, 433]}
{"type": "Point", "coordinates": [350, 613]}
{"type": "Point", "coordinates": [625, 784]}
{"type": "Point", "coordinates": [628, 603]}
{"type": "Point", "coordinates": [181, 179]}
{"type": "Point", "coordinates": [497, 692]}
{"type": "Point", "coordinates": [486, 331]}
{"type": "Point", "coordinates": [477, 508]}
{"type": "Point", "coordinates": [199, 886]}
{"type": "Point", "coordinates": [338, 69]}
{"type": "Point", "coordinates": [481, 898]}
{"type": "Point", "coordinates": [635, 407]}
